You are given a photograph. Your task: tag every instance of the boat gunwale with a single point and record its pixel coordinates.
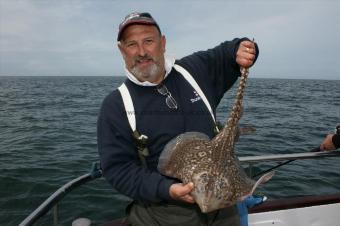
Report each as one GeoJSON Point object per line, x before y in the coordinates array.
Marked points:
{"type": "Point", "coordinates": [296, 202]}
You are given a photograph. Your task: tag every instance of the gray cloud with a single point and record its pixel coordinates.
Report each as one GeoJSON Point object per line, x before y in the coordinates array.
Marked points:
{"type": "Point", "coordinates": [297, 39]}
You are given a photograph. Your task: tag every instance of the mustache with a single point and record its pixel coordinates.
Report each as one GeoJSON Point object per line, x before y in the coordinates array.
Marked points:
{"type": "Point", "coordinates": [138, 59]}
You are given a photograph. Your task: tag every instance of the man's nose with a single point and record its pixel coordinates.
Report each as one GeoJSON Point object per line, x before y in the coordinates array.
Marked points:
{"type": "Point", "coordinates": [141, 50]}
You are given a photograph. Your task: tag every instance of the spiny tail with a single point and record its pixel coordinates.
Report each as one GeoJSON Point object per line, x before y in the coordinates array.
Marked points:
{"type": "Point", "coordinates": [228, 133]}
{"type": "Point", "coordinates": [236, 112]}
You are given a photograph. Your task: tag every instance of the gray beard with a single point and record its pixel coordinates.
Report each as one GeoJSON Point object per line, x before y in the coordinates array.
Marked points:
{"type": "Point", "coordinates": [151, 72]}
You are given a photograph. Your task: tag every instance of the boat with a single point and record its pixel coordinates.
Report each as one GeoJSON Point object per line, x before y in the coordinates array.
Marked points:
{"type": "Point", "coordinates": [316, 210]}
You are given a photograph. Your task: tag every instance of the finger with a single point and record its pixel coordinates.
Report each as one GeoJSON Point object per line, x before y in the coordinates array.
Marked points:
{"type": "Point", "coordinates": [244, 62]}
{"type": "Point", "coordinates": [330, 147]}
{"type": "Point", "coordinates": [328, 143]}
{"type": "Point", "coordinates": [250, 56]}
{"type": "Point", "coordinates": [248, 44]}
{"type": "Point", "coordinates": [246, 53]}
{"type": "Point", "coordinates": [326, 148]}
{"type": "Point", "coordinates": [188, 198]}
{"type": "Point", "coordinates": [322, 147]}
{"type": "Point", "coordinates": [187, 188]}
{"type": "Point", "coordinates": [184, 189]}
{"type": "Point", "coordinates": [248, 47]}
{"type": "Point", "coordinates": [251, 51]}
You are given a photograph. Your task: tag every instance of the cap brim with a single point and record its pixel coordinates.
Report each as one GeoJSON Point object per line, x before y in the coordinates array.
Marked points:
{"type": "Point", "coordinates": [132, 22]}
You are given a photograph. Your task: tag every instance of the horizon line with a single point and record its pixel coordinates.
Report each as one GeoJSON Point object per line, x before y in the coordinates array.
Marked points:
{"type": "Point", "coordinates": [120, 76]}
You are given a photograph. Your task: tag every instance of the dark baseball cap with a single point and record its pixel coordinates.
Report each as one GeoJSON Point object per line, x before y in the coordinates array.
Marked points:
{"type": "Point", "coordinates": [136, 18]}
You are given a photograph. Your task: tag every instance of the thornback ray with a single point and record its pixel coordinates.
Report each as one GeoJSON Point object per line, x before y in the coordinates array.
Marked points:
{"type": "Point", "coordinates": [219, 180]}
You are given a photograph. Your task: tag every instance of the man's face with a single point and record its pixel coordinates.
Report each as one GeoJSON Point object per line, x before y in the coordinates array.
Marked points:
{"type": "Point", "coordinates": [143, 49]}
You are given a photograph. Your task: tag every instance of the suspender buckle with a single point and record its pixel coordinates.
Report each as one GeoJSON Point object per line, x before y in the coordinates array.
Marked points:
{"type": "Point", "coordinates": [141, 141]}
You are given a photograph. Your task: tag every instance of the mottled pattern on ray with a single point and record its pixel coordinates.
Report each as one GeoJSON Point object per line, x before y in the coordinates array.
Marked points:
{"type": "Point", "coordinates": [219, 180]}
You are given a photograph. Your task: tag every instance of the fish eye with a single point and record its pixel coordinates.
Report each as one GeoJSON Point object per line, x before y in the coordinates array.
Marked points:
{"type": "Point", "coordinates": [204, 175]}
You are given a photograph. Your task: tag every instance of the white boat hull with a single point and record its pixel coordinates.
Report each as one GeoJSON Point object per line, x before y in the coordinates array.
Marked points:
{"type": "Point", "coordinates": [318, 215]}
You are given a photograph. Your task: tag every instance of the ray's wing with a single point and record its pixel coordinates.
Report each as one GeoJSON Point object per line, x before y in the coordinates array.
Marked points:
{"type": "Point", "coordinates": [178, 151]}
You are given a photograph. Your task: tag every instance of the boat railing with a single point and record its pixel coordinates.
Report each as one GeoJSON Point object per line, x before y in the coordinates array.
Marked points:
{"type": "Point", "coordinates": [286, 158]}
{"type": "Point", "coordinates": [52, 201]}
{"type": "Point", "coordinates": [296, 156]}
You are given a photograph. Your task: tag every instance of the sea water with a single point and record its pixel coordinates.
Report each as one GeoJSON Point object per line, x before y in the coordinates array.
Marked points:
{"type": "Point", "coordinates": [48, 137]}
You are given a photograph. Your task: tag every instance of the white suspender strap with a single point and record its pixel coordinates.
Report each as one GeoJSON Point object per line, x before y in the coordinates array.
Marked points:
{"type": "Point", "coordinates": [128, 104]}
{"type": "Point", "coordinates": [194, 84]}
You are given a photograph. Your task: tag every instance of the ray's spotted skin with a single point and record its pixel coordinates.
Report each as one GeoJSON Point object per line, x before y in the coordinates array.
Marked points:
{"type": "Point", "coordinates": [219, 180]}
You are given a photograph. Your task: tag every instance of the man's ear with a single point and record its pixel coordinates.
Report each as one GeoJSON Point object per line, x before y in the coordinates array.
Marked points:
{"type": "Point", "coordinates": [119, 44]}
{"type": "Point", "coordinates": [121, 49]}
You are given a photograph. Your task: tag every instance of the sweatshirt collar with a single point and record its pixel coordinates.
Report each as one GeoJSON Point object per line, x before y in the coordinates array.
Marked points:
{"type": "Point", "coordinates": [168, 64]}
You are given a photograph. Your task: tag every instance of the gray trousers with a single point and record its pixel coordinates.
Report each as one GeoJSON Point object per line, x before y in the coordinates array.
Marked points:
{"type": "Point", "coordinates": [179, 215]}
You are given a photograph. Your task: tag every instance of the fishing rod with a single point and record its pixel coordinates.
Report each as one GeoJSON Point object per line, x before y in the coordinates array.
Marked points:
{"type": "Point", "coordinates": [317, 153]}
{"type": "Point", "coordinates": [283, 163]}
{"type": "Point", "coordinates": [312, 154]}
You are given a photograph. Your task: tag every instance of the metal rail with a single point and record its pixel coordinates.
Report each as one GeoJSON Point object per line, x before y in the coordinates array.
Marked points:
{"type": "Point", "coordinates": [307, 155]}
{"type": "Point", "coordinates": [53, 200]}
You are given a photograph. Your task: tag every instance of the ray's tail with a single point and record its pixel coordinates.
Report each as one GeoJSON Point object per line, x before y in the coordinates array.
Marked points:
{"type": "Point", "coordinates": [237, 109]}
{"type": "Point", "coordinates": [227, 135]}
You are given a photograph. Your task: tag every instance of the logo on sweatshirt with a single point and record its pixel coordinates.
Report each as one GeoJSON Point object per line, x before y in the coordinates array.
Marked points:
{"type": "Point", "coordinates": [196, 98]}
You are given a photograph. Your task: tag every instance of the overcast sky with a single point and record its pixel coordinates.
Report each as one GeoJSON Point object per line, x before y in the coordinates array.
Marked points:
{"type": "Point", "coordinates": [297, 39]}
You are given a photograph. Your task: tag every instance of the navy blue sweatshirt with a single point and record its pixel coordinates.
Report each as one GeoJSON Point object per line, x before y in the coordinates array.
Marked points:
{"type": "Point", "coordinates": [215, 71]}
